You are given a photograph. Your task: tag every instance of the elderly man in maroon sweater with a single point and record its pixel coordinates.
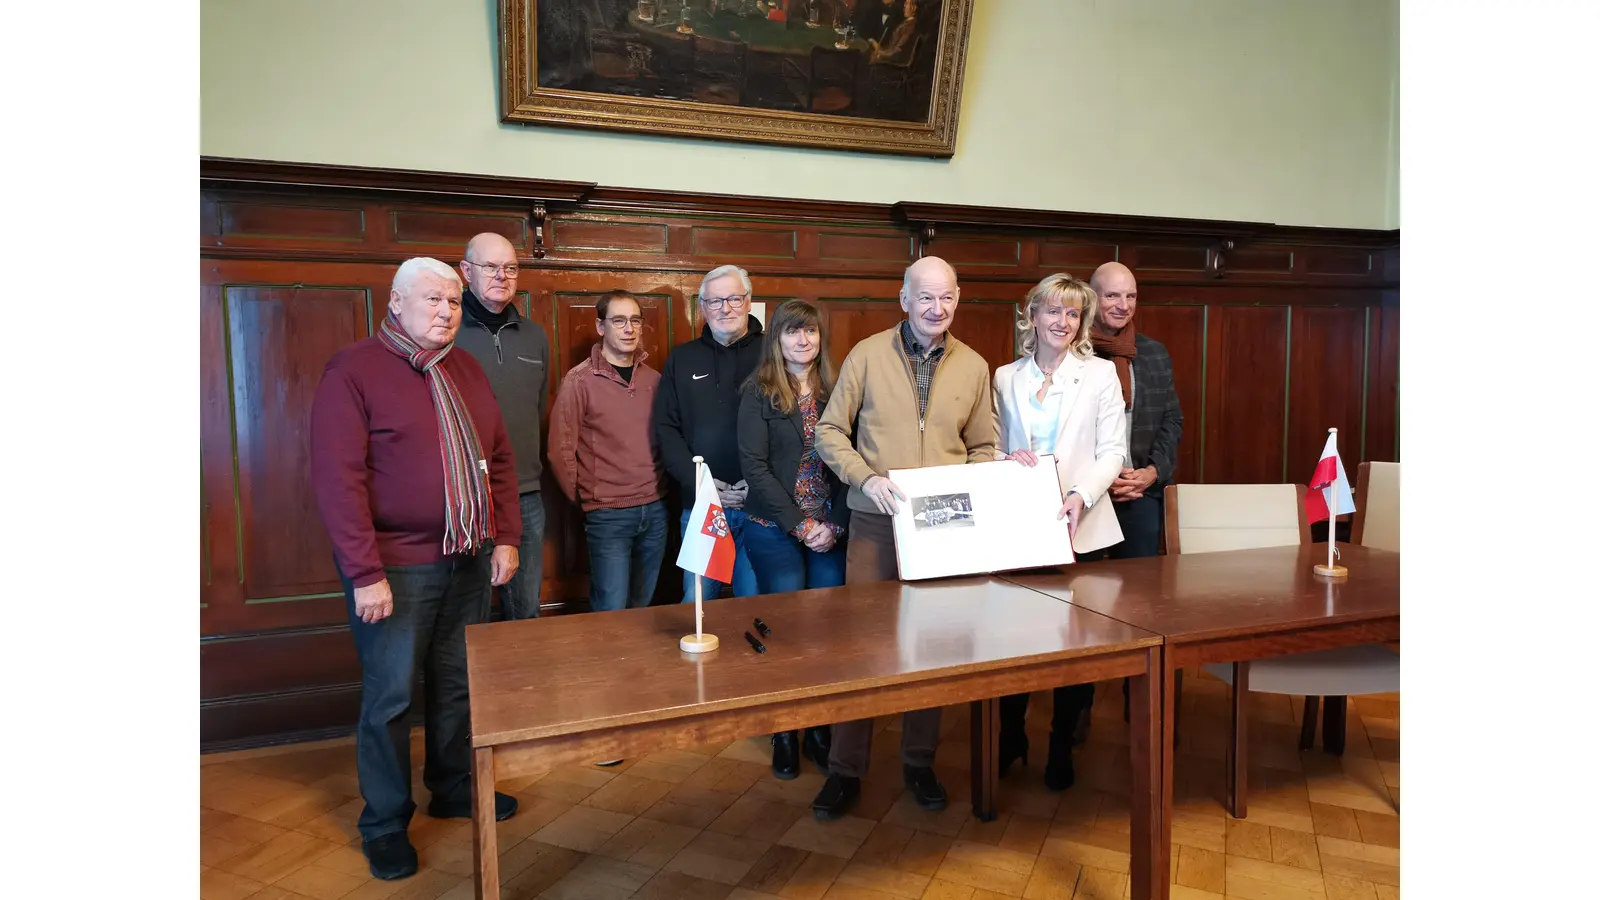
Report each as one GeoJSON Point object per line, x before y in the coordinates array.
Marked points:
{"type": "Point", "coordinates": [414, 477]}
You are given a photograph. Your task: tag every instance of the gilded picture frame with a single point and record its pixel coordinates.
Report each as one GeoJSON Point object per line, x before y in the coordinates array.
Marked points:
{"type": "Point", "coordinates": [880, 76]}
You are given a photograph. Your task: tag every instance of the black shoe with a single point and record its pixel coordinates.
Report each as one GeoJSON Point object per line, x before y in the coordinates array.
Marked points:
{"type": "Point", "coordinates": [390, 856]}
{"type": "Point", "coordinates": [817, 745]}
{"type": "Point", "coordinates": [1058, 774]}
{"type": "Point", "coordinates": [836, 797]}
{"type": "Point", "coordinates": [1013, 746]}
{"type": "Point", "coordinates": [1080, 732]}
{"type": "Point", "coordinates": [925, 788]}
{"type": "Point", "coordinates": [505, 806]}
{"type": "Point", "coordinates": [786, 754]}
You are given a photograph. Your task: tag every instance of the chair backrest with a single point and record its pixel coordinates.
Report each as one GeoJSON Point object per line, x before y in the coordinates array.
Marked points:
{"type": "Point", "coordinates": [1377, 520]}
{"type": "Point", "coordinates": [1205, 518]}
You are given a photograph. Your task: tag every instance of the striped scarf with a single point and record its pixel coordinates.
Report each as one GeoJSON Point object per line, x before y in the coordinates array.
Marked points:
{"type": "Point", "coordinates": [468, 513]}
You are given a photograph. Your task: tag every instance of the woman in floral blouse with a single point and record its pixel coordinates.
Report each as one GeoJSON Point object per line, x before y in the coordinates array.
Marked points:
{"type": "Point", "coordinates": [797, 514]}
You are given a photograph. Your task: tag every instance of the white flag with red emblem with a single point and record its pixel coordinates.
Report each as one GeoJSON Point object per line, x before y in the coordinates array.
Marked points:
{"type": "Point", "coordinates": [1329, 491]}
{"type": "Point", "coordinates": [708, 548]}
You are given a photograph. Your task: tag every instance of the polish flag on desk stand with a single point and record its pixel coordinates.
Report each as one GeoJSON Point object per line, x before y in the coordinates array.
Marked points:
{"type": "Point", "coordinates": [707, 550]}
{"type": "Point", "coordinates": [1328, 495]}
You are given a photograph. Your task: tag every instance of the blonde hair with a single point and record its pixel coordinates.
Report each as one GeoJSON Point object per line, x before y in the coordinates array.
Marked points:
{"type": "Point", "coordinates": [1069, 292]}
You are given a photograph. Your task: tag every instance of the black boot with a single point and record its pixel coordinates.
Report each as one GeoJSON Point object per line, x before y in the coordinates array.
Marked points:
{"type": "Point", "coordinates": [838, 794]}
{"type": "Point", "coordinates": [1013, 732]}
{"type": "Point", "coordinates": [786, 754]}
{"type": "Point", "coordinates": [1058, 774]}
{"type": "Point", "coordinates": [816, 746]}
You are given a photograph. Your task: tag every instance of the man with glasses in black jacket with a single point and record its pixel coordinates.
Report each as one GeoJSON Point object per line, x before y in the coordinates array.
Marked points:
{"type": "Point", "coordinates": [697, 410]}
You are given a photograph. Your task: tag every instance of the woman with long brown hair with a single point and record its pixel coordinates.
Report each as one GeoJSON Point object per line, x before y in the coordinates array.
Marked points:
{"type": "Point", "coordinates": [797, 514]}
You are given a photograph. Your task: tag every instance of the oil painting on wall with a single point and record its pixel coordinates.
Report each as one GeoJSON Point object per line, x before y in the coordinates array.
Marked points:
{"type": "Point", "coordinates": [875, 75]}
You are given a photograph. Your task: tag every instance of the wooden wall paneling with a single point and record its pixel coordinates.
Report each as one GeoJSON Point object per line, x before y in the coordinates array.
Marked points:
{"type": "Point", "coordinates": [290, 660]}
{"type": "Point", "coordinates": [1152, 260]}
{"type": "Point", "coordinates": [1246, 364]}
{"type": "Point", "coordinates": [576, 236]}
{"type": "Point", "coordinates": [253, 720]}
{"type": "Point", "coordinates": [286, 248]}
{"type": "Point", "coordinates": [1382, 415]}
{"type": "Point", "coordinates": [741, 242]}
{"type": "Point", "coordinates": [971, 254]}
{"type": "Point", "coordinates": [220, 588]}
{"type": "Point", "coordinates": [989, 327]}
{"type": "Point", "coordinates": [343, 224]}
{"type": "Point", "coordinates": [443, 232]}
{"type": "Point", "coordinates": [1178, 321]}
{"type": "Point", "coordinates": [850, 320]}
{"type": "Point", "coordinates": [1327, 348]}
{"type": "Point", "coordinates": [280, 338]}
{"type": "Point", "coordinates": [1079, 258]}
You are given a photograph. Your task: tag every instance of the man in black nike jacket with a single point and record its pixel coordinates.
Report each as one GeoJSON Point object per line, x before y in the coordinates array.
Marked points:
{"type": "Point", "coordinates": [697, 409]}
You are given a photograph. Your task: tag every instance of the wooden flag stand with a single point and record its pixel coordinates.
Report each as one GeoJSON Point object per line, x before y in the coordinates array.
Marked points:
{"type": "Point", "coordinates": [1332, 569]}
{"type": "Point", "coordinates": [698, 642]}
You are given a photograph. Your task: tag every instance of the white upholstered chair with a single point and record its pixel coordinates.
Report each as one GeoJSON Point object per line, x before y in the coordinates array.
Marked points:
{"type": "Point", "coordinates": [1203, 518]}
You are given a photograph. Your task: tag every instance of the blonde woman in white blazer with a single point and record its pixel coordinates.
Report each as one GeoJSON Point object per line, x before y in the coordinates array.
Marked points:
{"type": "Point", "coordinates": [1060, 399]}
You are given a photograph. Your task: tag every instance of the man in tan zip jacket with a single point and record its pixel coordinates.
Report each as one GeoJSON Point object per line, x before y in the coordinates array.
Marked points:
{"type": "Point", "coordinates": [908, 397]}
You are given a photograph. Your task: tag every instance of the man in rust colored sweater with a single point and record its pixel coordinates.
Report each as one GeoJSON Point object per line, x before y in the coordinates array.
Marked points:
{"type": "Point", "coordinates": [415, 481]}
{"type": "Point", "coordinates": [605, 457]}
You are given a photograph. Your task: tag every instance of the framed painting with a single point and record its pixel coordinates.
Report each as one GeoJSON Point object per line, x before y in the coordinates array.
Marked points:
{"type": "Point", "coordinates": [869, 75]}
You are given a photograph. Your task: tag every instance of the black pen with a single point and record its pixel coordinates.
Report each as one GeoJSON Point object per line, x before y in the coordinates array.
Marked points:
{"type": "Point", "coordinates": [762, 627]}
{"type": "Point", "coordinates": [754, 643]}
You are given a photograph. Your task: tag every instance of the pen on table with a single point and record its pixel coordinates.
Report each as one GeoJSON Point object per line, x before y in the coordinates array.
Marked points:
{"type": "Point", "coordinates": [754, 643]}
{"type": "Point", "coordinates": [762, 627]}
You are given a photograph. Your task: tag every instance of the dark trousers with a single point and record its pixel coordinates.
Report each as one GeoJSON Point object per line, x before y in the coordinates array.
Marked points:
{"type": "Point", "coordinates": [1141, 528]}
{"type": "Point", "coordinates": [625, 550]}
{"type": "Point", "coordinates": [1141, 536]}
{"type": "Point", "coordinates": [426, 634]}
{"type": "Point", "coordinates": [783, 564]}
{"type": "Point", "coordinates": [1067, 703]}
{"type": "Point", "coordinates": [1141, 522]}
{"type": "Point", "coordinates": [519, 597]}
{"type": "Point", "coordinates": [869, 557]}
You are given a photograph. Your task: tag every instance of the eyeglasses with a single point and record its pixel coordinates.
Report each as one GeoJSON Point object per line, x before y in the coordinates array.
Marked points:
{"type": "Point", "coordinates": [509, 270]}
{"type": "Point", "coordinates": [734, 302]}
{"type": "Point", "coordinates": [621, 322]}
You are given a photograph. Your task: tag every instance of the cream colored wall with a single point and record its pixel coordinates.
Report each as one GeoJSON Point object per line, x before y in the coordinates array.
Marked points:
{"type": "Point", "coordinates": [1262, 110]}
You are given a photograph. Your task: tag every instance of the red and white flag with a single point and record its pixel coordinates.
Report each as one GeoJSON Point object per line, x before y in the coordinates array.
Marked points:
{"type": "Point", "coordinates": [1329, 488]}
{"type": "Point", "coordinates": [708, 548]}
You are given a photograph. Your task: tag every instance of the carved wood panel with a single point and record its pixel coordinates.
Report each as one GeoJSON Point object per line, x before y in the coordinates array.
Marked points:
{"type": "Point", "coordinates": [288, 273]}
{"type": "Point", "coordinates": [1246, 352]}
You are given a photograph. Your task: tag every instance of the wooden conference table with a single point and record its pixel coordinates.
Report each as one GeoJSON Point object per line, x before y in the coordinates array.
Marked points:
{"type": "Point", "coordinates": [1232, 607]}
{"type": "Point", "coordinates": [573, 689]}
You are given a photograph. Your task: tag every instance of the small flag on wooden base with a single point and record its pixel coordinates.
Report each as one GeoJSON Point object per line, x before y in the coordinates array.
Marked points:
{"type": "Point", "coordinates": [1327, 496]}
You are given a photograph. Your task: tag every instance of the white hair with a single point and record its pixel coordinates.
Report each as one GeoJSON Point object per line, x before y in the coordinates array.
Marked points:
{"type": "Point", "coordinates": [418, 265]}
{"type": "Point", "coordinates": [719, 271]}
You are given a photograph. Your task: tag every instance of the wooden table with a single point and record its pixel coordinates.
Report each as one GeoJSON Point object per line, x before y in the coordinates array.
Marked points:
{"type": "Point", "coordinates": [573, 689]}
{"type": "Point", "coordinates": [1234, 606]}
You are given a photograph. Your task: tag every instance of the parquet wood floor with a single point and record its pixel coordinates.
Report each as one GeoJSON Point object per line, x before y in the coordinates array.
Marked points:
{"type": "Point", "coordinates": [714, 823]}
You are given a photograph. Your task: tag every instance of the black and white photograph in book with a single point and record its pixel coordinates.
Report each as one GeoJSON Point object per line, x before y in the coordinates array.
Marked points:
{"type": "Point", "coordinates": [942, 511]}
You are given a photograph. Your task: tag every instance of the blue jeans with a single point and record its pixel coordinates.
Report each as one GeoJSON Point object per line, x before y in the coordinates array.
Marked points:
{"type": "Point", "coordinates": [426, 634]}
{"type": "Point", "coordinates": [744, 580]}
{"type": "Point", "coordinates": [783, 564]}
{"type": "Point", "coordinates": [519, 598]}
{"type": "Point", "coordinates": [625, 550]}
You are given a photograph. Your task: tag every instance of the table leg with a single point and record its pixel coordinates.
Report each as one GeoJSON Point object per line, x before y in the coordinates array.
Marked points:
{"type": "Point", "coordinates": [985, 757]}
{"type": "Point", "coordinates": [485, 847]}
{"type": "Point", "coordinates": [1238, 744]}
{"type": "Point", "coordinates": [1148, 865]}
